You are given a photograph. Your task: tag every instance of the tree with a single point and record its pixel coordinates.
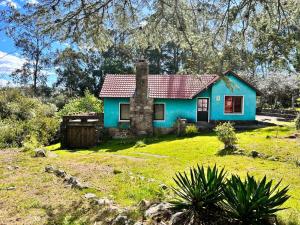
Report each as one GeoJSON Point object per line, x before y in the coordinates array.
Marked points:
{"type": "Point", "coordinates": [33, 44]}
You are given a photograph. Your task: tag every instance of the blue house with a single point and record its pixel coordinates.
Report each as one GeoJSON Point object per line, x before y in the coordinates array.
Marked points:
{"type": "Point", "coordinates": [147, 103]}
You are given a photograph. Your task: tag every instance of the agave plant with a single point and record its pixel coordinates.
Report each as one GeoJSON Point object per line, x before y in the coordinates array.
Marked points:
{"type": "Point", "coordinates": [199, 189]}
{"type": "Point", "coordinates": [251, 201]}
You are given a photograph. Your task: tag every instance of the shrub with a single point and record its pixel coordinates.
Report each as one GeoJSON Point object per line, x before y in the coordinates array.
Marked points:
{"type": "Point", "coordinates": [226, 134]}
{"type": "Point", "coordinates": [251, 201]}
{"type": "Point", "coordinates": [200, 190]}
{"type": "Point", "coordinates": [297, 122]}
{"type": "Point", "coordinates": [140, 144]}
{"type": "Point", "coordinates": [87, 103]}
{"type": "Point", "coordinates": [191, 130]}
{"type": "Point", "coordinates": [24, 117]}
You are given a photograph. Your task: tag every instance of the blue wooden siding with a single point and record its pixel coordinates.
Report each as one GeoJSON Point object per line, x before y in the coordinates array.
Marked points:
{"type": "Point", "coordinates": [239, 89]}
{"type": "Point", "coordinates": [179, 108]}
{"type": "Point", "coordinates": [111, 111]}
{"type": "Point", "coordinates": [186, 108]}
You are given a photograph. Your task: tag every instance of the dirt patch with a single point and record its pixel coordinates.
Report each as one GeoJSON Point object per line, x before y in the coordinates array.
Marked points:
{"type": "Point", "coordinates": [153, 155]}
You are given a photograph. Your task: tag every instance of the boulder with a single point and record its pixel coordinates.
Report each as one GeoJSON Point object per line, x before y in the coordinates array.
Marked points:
{"type": "Point", "coordinates": [60, 173]}
{"type": "Point", "coordinates": [120, 220]}
{"type": "Point", "coordinates": [40, 152]}
{"type": "Point", "coordinates": [90, 196]}
{"type": "Point", "coordinates": [158, 210]}
{"type": "Point", "coordinates": [103, 202]}
{"type": "Point", "coordinates": [178, 218]}
{"type": "Point", "coordinates": [49, 169]}
{"type": "Point", "coordinates": [144, 204]}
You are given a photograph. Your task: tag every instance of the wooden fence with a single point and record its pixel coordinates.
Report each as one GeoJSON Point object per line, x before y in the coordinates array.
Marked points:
{"type": "Point", "coordinates": [81, 131]}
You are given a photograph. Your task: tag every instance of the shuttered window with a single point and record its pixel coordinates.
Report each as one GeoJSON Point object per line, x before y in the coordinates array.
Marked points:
{"type": "Point", "coordinates": [233, 104]}
{"type": "Point", "coordinates": [159, 112]}
{"type": "Point", "coordinates": [124, 111]}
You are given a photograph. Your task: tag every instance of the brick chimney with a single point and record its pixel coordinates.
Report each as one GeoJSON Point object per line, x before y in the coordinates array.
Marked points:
{"type": "Point", "coordinates": [141, 106]}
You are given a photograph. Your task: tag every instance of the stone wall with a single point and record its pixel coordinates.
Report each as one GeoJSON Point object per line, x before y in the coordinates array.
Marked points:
{"type": "Point", "coordinates": [141, 106]}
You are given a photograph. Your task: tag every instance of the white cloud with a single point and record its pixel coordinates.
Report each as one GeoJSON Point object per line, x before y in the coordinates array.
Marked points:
{"type": "Point", "coordinates": [9, 63]}
{"type": "Point", "coordinates": [32, 2]}
{"type": "Point", "coordinates": [6, 83]}
{"type": "Point", "coordinates": [9, 3]}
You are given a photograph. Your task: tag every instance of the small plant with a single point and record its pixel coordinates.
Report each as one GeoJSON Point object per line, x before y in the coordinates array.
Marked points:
{"type": "Point", "coordinates": [191, 130]}
{"type": "Point", "coordinates": [226, 134]}
{"type": "Point", "coordinates": [251, 201]}
{"type": "Point", "coordinates": [140, 144]}
{"type": "Point", "coordinates": [297, 122]}
{"type": "Point", "coordinates": [200, 190]}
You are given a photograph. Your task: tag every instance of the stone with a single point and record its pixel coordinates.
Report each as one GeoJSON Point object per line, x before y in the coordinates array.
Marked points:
{"type": "Point", "coordinates": [144, 204]}
{"type": "Point", "coordinates": [293, 136]}
{"type": "Point", "coordinates": [178, 218]}
{"type": "Point", "coordinates": [117, 171]}
{"type": "Point", "coordinates": [161, 209]}
{"type": "Point", "coordinates": [10, 188]}
{"type": "Point", "coordinates": [120, 220]}
{"type": "Point", "coordinates": [298, 163]}
{"type": "Point", "coordinates": [49, 169]}
{"type": "Point", "coordinates": [103, 202]}
{"type": "Point", "coordinates": [273, 158]}
{"type": "Point", "coordinates": [139, 223]}
{"type": "Point", "coordinates": [255, 154]}
{"type": "Point", "coordinates": [60, 173]}
{"type": "Point", "coordinates": [163, 186]}
{"type": "Point", "coordinates": [39, 152]}
{"type": "Point", "coordinates": [90, 196]}
{"type": "Point", "coordinates": [12, 167]}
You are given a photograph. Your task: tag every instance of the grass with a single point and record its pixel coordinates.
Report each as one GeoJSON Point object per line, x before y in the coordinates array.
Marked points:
{"type": "Point", "coordinates": [142, 169]}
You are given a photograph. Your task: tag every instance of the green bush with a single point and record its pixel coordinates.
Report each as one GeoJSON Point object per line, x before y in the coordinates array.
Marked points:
{"type": "Point", "coordinates": [297, 122]}
{"type": "Point", "coordinates": [24, 117]}
{"type": "Point", "coordinates": [226, 134]}
{"type": "Point", "coordinates": [140, 144]}
{"type": "Point", "coordinates": [191, 130]}
{"type": "Point", "coordinates": [199, 190]}
{"type": "Point", "coordinates": [251, 201]}
{"type": "Point", "coordinates": [87, 103]}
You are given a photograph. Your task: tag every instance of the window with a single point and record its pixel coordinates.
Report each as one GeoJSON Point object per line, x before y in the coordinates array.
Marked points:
{"type": "Point", "coordinates": [124, 112]}
{"type": "Point", "coordinates": [203, 104]}
{"type": "Point", "coordinates": [159, 111]}
{"type": "Point", "coordinates": [233, 104]}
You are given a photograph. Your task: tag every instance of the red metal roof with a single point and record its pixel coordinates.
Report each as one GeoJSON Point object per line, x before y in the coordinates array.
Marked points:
{"type": "Point", "coordinates": [159, 86]}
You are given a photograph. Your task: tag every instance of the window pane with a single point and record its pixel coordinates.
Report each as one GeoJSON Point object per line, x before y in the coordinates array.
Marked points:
{"type": "Point", "coordinates": [238, 104]}
{"type": "Point", "coordinates": [124, 112]}
{"type": "Point", "coordinates": [159, 113]}
{"type": "Point", "coordinates": [228, 104]}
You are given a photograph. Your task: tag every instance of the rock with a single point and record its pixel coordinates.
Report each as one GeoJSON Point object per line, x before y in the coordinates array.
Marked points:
{"type": "Point", "coordinates": [39, 152]}
{"type": "Point", "coordinates": [60, 173]}
{"type": "Point", "coordinates": [293, 136]}
{"type": "Point", "coordinates": [10, 188]}
{"type": "Point", "coordinates": [12, 167]}
{"type": "Point", "coordinates": [120, 220]}
{"type": "Point", "coordinates": [117, 171]}
{"type": "Point", "coordinates": [144, 204]}
{"type": "Point", "coordinates": [178, 218]}
{"type": "Point", "coordinates": [298, 163]}
{"type": "Point", "coordinates": [103, 202]}
{"type": "Point", "coordinates": [255, 154]}
{"type": "Point", "coordinates": [273, 158]}
{"type": "Point", "coordinates": [163, 186]}
{"type": "Point", "coordinates": [90, 195]}
{"type": "Point", "coordinates": [139, 223]}
{"type": "Point", "coordinates": [161, 209]}
{"type": "Point", "coordinates": [49, 169]}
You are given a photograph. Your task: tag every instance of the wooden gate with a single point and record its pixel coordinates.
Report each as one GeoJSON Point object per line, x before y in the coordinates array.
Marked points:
{"type": "Point", "coordinates": [81, 131]}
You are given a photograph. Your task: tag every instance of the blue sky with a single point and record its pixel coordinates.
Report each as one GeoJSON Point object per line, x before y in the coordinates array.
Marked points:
{"type": "Point", "coordinates": [10, 58]}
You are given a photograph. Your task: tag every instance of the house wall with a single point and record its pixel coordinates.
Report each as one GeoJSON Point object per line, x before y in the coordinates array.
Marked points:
{"type": "Point", "coordinates": [239, 88]}
{"type": "Point", "coordinates": [179, 108]}
{"type": "Point", "coordinates": [111, 111]}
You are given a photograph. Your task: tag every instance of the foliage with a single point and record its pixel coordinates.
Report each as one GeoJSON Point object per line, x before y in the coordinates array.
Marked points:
{"type": "Point", "coordinates": [191, 129]}
{"type": "Point", "coordinates": [23, 117]}
{"type": "Point", "coordinates": [87, 103]}
{"type": "Point", "coordinates": [199, 190]}
{"type": "Point", "coordinates": [226, 134]}
{"type": "Point", "coordinates": [140, 144]}
{"type": "Point", "coordinates": [297, 122]}
{"type": "Point", "coordinates": [252, 201]}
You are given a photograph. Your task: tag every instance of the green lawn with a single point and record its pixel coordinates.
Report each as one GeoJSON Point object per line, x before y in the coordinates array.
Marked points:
{"type": "Point", "coordinates": [144, 169]}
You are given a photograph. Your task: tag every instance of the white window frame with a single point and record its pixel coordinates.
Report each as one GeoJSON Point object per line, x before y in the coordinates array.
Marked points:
{"type": "Point", "coordinates": [243, 105]}
{"type": "Point", "coordinates": [160, 103]}
{"type": "Point", "coordinates": [208, 119]}
{"type": "Point", "coordinates": [123, 103]}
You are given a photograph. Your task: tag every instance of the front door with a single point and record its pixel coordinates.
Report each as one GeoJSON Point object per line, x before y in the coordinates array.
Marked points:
{"type": "Point", "coordinates": [202, 109]}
